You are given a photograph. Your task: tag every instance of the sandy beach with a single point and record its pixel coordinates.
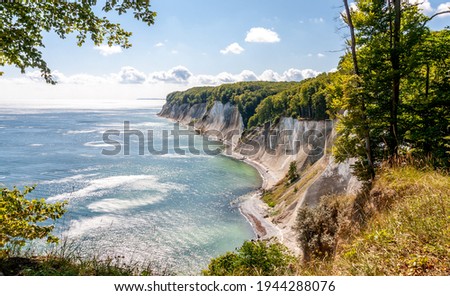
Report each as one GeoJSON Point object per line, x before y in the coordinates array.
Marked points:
{"type": "Point", "coordinates": [253, 208]}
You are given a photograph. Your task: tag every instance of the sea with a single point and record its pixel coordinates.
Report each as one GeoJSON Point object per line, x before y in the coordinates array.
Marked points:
{"type": "Point", "coordinates": [168, 208]}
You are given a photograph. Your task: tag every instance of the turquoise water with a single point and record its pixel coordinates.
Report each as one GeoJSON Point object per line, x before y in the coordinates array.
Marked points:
{"type": "Point", "coordinates": [172, 209]}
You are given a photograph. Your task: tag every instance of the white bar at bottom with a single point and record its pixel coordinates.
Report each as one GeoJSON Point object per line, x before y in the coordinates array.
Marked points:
{"type": "Point", "coordinates": [196, 285]}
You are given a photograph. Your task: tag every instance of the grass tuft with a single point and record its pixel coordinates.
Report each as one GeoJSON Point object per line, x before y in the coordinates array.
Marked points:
{"type": "Point", "coordinates": [67, 259]}
{"type": "Point", "coordinates": [409, 229]}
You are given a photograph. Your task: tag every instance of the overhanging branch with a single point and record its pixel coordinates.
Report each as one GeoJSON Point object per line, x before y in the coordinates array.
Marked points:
{"type": "Point", "coordinates": [435, 15]}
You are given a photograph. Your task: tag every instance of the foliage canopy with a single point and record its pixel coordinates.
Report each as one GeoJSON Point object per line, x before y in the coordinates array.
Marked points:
{"type": "Point", "coordinates": [394, 90]}
{"type": "Point", "coordinates": [23, 22]}
{"type": "Point", "coordinates": [264, 101]}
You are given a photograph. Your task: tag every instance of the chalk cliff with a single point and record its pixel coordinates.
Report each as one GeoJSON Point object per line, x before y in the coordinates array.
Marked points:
{"type": "Point", "coordinates": [271, 148]}
{"type": "Point", "coordinates": [221, 120]}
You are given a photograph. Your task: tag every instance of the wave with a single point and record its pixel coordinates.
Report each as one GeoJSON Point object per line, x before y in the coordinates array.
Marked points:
{"type": "Point", "coordinates": [111, 205]}
{"type": "Point", "coordinates": [187, 155]}
{"type": "Point", "coordinates": [69, 179]}
{"type": "Point", "coordinates": [133, 125]}
{"type": "Point", "coordinates": [77, 132]}
{"type": "Point", "coordinates": [174, 156]}
{"type": "Point", "coordinates": [80, 227]}
{"type": "Point", "coordinates": [97, 144]}
{"type": "Point", "coordinates": [100, 187]}
{"type": "Point", "coordinates": [84, 170]}
{"type": "Point", "coordinates": [36, 145]}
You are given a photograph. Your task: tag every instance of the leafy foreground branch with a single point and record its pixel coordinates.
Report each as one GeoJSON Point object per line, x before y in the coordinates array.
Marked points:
{"type": "Point", "coordinates": [22, 24]}
{"type": "Point", "coordinates": [23, 220]}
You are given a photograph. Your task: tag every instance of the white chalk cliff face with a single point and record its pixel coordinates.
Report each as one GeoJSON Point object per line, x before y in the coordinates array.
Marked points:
{"type": "Point", "coordinates": [221, 121]}
{"type": "Point", "coordinates": [273, 147]}
{"type": "Point", "coordinates": [277, 145]}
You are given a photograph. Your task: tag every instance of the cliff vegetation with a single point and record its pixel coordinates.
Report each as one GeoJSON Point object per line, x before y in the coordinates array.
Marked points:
{"type": "Point", "coordinates": [400, 227]}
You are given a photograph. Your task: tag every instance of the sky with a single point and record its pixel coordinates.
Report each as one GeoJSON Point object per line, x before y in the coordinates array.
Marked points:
{"type": "Point", "coordinates": [195, 42]}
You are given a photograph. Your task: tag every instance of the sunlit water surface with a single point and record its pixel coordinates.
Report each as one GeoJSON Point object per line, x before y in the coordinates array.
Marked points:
{"type": "Point", "coordinates": [173, 209]}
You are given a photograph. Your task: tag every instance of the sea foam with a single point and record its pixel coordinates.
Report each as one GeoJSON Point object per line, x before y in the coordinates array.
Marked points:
{"type": "Point", "coordinates": [100, 187]}
{"type": "Point", "coordinates": [112, 205]}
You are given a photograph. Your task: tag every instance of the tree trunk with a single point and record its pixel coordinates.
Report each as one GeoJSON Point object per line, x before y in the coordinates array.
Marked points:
{"type": "Point", "coordinates": [352, 36]}
{"type": "Point", "coordinates": [365, 124]}
{"type": "Point", "coordinates": [427, 85]}
{"type": "Point", "coordinates": [395, 61]}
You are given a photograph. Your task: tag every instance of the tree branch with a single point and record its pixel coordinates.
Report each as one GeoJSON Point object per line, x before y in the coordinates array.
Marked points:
{"type": "Point", "coordinates": [435, 15]}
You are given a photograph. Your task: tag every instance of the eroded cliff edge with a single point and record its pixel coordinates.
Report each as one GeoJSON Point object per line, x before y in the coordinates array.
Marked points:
{"type": "Point", "coordinates": [271, 148]}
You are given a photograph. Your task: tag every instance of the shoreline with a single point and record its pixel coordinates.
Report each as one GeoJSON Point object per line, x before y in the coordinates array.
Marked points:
{"type": "Point", "coordinates": [256, 211]}
{"type": "Point", "coordinates": [252, 207]}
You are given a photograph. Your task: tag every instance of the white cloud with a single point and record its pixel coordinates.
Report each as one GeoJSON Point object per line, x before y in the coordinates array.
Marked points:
{"type": "Point", "coordinates": [129, 75]}
{"type": "Point", "coordinates": [247, 75]}
{"type": "Point", "coordinates": [204, 80]}
{"type": "Point", "coordinates": [225, 77]}
{"type": "Point", "coordinates": [59, 77]}
{"type": "Point", "coordinates": [177, 74]}
{"type": "Point", "coordinates": [120, 89]}
{"type": "Point", "coordinates": [443, 7]}
{"type": "Point", "coordinates": [317, 20]}
{"type": "Point", "coordinates": [270, 75]}
{"type": "Point", "coordinates": [298, 75]}
{"type": "Point", "coordinates": [106, 50]}
{"type": "Point", "coordinates": [36, 76]}
{"type": "Point", "coordinates": [424, 5]}
{"type": "Point", "coordinates": [262, 35]}
{"type": "Point", "coordinates": [174, 51]}
{"type": "Point", "coordinates": [319, 55]}
{"type": "Point", "coordinates": [233, 48]}
{"type": "Point", "coordinates": [159, 44]}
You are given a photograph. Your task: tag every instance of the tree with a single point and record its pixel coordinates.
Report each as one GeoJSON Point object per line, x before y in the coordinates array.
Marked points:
{"type": "Point", "coordinates": [425, 102]}
{"type": "Point", "coordinates": [21, 220]}
{"type": "Point", "coordinates": [362, 102]}
{"type": "Point", "coordinates": [292, 174]}
{"type": "Point", "coordinates": [395, 53]}
{"type": "Point", "coordinates": [390, 78]}
{"type": "Point", "coordinates": [23, 22]}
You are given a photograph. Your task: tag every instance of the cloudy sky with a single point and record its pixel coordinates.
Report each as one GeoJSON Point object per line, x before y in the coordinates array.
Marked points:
{"type": "Point", "coordinates": [195, 42]}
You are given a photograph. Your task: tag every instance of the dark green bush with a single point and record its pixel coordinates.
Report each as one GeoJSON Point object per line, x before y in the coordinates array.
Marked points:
{"type": "Point", "coordinates": [254, 258]}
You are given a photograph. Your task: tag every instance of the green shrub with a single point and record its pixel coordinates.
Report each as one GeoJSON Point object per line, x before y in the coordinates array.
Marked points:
{"type": "Point", "coordinates": [317, 228]}
{"type": "Point", "coordinates": [254, 258]}
{"type": "Point", "coordinates": [292, 174]}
